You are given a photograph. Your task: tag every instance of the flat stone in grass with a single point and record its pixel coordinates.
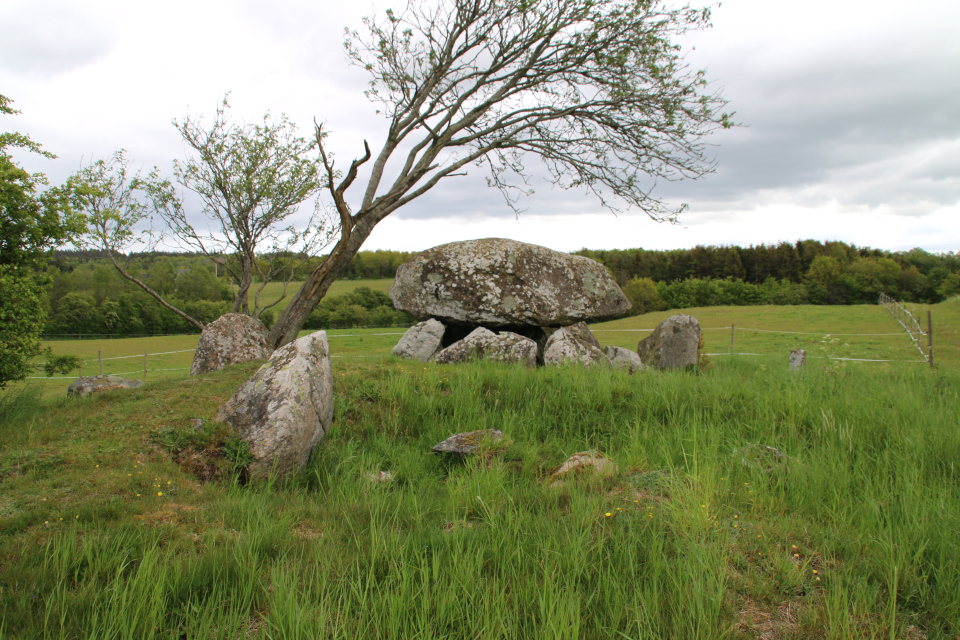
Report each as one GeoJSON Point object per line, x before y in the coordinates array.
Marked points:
{"type": "Point", "coordinates": [87, 385]}
{"type": "Point", "coordinates": [590, 462]}
{"type": "Point", "coordinates": [467, 443]}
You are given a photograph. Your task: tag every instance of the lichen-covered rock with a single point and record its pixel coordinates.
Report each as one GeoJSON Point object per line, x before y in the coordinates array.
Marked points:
{"type": "Point", "coordinates": [624, 359]}
{"type": "Point", "coordinates": [286, 407]}
{"type": "Point", "coordinates": [573, 344]}
{"type": "Point", "coordinates": [482, 343]}
{"type": "Point", "coordinates": [674, 344]}
{"type": "Point", "coordinates": [87, 385]}
{"type": "Point", "coordinates": [421, 341]}
{"type": "Point", "coordinates": [230, 339]}
{"type": "Point", "coordinates": [467, 443]}
{"type": "Point", "coordinates": [502, 283]}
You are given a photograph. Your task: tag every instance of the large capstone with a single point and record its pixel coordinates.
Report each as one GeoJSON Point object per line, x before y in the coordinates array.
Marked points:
{"type": "Point", "coordinates": [230, 339]}
{"type": "Point", "coordinates": [286, 408]}
{"type": "Point", "coordinates": [499, 283]}
{"type": "Point", "coordinates": [674, 344]}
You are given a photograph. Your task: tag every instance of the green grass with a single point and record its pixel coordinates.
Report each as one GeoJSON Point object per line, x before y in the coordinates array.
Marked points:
{"type": "Point", "coordinates": [854, 538]}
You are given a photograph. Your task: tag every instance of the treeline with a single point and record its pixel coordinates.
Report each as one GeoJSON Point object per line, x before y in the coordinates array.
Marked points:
{"type": "Point", "coordinates": [808, 272]}
{"type": "Point", "coordinates": [88, 296]}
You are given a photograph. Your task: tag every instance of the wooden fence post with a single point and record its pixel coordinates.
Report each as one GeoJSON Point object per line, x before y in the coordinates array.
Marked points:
{"type": "Point", "coordinates": [930, 336]}
{"type": "Point", "coordinates": [144, 366]}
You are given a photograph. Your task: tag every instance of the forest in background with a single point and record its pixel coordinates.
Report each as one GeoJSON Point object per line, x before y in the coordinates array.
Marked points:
{"type": "Point", "coordinates": [87, 295]}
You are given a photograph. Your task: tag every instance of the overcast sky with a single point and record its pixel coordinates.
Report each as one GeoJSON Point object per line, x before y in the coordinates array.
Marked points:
{"type": "Point", "coordinates": [852, 114]}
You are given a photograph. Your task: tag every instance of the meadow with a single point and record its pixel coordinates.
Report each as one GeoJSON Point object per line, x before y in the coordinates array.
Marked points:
{"type": "Point", "coordinates": [110, 526]}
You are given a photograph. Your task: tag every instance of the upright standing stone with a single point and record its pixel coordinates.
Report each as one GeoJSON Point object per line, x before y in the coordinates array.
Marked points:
{"type": "Point", "coordinates": [286, 408]}
{"type": "Point", "coordinates": [674, 344]}
{"type": "Point", "coordinates": [798, 359]}
{"type": "Point", "coordinates": [421, 341]}
{"type": "Point", "coordinates": [230, 339]}
{"type": "Point", "coordinates": [575, 343]}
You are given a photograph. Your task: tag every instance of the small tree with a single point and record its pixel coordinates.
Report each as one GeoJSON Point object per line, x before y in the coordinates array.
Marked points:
{"type": "Point", "coordinates": [597, 89]}
{"type": "Point", "coordinates": [115, 206]}
{"type": "Point", "coordinates": [250, 178]}
{"type": "Point", "coordinates": [32, 224]}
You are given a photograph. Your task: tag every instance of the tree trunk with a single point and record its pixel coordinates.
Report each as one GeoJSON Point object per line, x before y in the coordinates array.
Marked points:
{"type": "Point", "coordinates": [305, 300]}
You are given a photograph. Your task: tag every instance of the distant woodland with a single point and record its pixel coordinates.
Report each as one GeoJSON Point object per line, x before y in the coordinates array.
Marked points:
{"type": "Point", "coordinates": [87, 295]}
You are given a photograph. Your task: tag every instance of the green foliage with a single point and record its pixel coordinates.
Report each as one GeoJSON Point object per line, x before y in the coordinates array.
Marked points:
{"type": "Point", "coordinates": [643, 295]}
{"type": "Point", "coordinates": [362, 307]}
{"type": "Point", "coordinates": [818, 273]}
{"type": "Point", "coordinates": [31, 225]}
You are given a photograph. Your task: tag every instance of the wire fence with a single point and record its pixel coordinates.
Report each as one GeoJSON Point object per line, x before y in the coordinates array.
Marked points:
{"type": "Point", "coordinates": [158, 359]}
{"type": "Point", "coordinates": [911, 325]}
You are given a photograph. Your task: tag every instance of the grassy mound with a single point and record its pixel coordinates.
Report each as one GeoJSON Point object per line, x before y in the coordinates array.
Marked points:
{"type": "Point", "coordinates": [105, 532]}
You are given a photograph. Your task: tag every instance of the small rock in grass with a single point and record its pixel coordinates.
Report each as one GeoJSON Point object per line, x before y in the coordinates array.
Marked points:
{"type": "Point", "coordinates": [760, 456]}
{"type": "Point", "coordinates": [585, 462]}
{"type": "Point", "coordinates": [467, 443]}
{"type": "Point", "coordinates": [87, 385]}
{"type": "Point", "coordinates": [380, 477]}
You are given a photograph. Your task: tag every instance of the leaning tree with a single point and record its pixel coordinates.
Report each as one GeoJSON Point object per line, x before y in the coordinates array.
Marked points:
{"type": "Point", "coordinates": [598, 90]}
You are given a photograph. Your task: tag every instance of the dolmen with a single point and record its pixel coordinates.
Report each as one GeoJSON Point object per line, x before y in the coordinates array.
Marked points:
{"type": "Point", "coordinates": [505, 301]}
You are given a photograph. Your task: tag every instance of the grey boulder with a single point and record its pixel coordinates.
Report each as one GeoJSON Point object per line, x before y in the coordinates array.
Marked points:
{"type": "Point", "coordinates": [482, 343]}
{"type": "Point", "coordinates": [624, 359]}
{"type": "Point", "coordinates": [501, 283]}
{"type": "Point", "coordinates": [421, 341]}
{"type": "Point", "coordinates": [467, 443]}
{"type": "Point", "coordinates": [674, 344]}
{"type": "Point", "coordinates": [230, 339]}
{"type": "Point", "coordinates": [573, 344]}
{"type": "Point", "coordinates": [286, 407]}
{"type": "Point", "coordinates": [88, 385]}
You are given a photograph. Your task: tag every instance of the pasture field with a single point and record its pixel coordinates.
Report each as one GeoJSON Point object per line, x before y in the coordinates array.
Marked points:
{"type": "Point", "coordinates": [112, 525]}
{"type": "Point", "coordinates": [626, 332]}
{"type": "Point", "coordinates": [273, 290]}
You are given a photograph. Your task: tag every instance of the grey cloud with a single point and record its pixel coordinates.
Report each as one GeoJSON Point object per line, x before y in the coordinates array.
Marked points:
{"type": "Point", "coordinates": [49, 37]}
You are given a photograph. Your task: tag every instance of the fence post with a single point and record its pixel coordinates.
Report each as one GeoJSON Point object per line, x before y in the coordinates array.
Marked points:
{"type": "Point", "coordinates": [100, 358]}
{"type": "Point", "coordinates": [731, 337]}
{"type": "Point", "coordinates": [144, 366]}
{"type": "Point", "coordinates": [930, 336]}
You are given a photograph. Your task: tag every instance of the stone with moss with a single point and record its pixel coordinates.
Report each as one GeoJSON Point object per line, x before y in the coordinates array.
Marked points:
{"type": "Point", "coordinates": [286, 407]}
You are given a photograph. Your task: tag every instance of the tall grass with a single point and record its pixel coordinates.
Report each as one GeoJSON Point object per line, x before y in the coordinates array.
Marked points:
{"type": "Point", "coordinates": [853, 535]}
